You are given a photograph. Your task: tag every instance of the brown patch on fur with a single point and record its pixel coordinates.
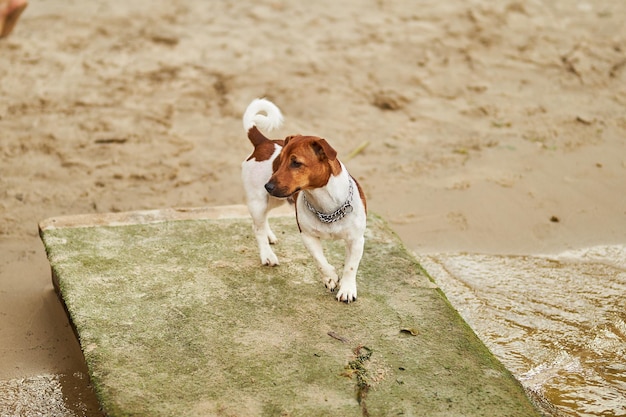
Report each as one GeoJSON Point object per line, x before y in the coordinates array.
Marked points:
{"type": "Point", "coordinates": [361, 193]}
{"type": "Point", "coordinates": [256, 137]}
{"type": "Point", "coordinates": [264, 148]}
{"type": "Point", "coordinates": [306, 162]}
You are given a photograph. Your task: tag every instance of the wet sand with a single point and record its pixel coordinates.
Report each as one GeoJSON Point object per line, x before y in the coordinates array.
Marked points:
{"type": "Point", "coordinates": [495, 128]}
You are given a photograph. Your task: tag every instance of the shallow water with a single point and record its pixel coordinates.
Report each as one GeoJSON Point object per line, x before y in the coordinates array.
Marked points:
{"type": "Point", "coordinates": [557, 322]}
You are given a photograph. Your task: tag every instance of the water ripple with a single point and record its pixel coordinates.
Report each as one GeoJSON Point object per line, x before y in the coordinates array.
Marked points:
{"type": "Point", "coordinates": [557, 322]}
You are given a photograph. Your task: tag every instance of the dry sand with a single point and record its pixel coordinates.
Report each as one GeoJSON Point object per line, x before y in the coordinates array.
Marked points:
{"type": "Point", "coordinates": [494, 127]}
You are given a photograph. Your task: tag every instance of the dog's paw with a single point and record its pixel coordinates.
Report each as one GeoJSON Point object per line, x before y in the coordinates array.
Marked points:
{"type": "Point", "coordinates": [330, 283]}
{"type": "Point", "coordinates": [347, 293]}
{"type": "Point", "coordinates": [269, 258]}
{"type": "Point", "coordinates": [271, 237]}
{"type": "Point", "coordinates": [330, 278]}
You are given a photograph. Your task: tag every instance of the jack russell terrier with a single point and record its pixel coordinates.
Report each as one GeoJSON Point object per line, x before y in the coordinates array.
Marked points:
{"type": "Point", "coordinates": [329, 202]}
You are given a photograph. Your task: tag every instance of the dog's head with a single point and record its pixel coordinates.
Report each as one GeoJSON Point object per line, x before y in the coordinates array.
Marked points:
{"type": "Point", "coordinates": [305, 162]}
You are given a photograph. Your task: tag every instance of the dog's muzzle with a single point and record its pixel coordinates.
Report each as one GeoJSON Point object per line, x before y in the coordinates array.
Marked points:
{"type": "Point", "coordinates": [274, 191]}
{"type": "Point", "coordinates": [279, 192]}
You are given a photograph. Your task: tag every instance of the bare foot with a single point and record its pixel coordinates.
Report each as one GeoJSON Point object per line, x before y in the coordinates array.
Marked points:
{"type": "Point", "coordinates": [10, 11]}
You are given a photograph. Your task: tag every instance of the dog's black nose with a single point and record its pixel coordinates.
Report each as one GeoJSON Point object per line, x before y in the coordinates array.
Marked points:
{"type": "Point", "coordinates": [270, 186]}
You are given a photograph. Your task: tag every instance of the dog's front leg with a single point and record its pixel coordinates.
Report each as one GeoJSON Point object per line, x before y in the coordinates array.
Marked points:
{"type": "Point", "coordinates": [347, 285]}
{"type": "Point", "coordinates": [314, 246]}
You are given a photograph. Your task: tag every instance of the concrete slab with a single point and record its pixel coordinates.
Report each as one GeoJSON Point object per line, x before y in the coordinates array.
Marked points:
{"type": "Point", "coordinates": [175, 317]}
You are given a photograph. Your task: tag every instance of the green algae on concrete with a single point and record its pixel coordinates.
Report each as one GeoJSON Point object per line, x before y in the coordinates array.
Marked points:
{"type": "Point", "coordinates": [178, 318]}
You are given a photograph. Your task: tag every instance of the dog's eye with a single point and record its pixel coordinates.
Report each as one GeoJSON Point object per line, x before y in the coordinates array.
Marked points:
{"type": "Point", "coordinates": [295, 164]}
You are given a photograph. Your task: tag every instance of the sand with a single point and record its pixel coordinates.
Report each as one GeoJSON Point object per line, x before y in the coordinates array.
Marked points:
{"type": "Point", "coordinates": [491, 127]}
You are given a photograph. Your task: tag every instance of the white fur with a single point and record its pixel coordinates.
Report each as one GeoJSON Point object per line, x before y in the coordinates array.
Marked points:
{"type": "Point", "coordinates": [256, 174]}
{"type": "Point", "coordinates": [253, 116]}
{"type": "Point", "coordinates": [351, 228]}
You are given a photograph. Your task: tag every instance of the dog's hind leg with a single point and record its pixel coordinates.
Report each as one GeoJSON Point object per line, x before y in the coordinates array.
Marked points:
{"type": "Point", "coordinates": [271, 204]}
{"type": "Point", "coordinates": [259, 205]}
{"type": "Point", "coordinates": [264, 236]}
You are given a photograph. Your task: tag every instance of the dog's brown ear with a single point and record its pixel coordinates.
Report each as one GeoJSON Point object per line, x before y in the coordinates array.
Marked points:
{"type": "Point", "coordinates": [324, 150]}
{"type": "Point", "coordinates": [288, 138]}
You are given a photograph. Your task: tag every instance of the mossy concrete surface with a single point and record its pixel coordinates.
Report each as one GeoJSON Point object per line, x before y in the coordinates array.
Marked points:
{"type": "Point", "coordinates": [176, 317]}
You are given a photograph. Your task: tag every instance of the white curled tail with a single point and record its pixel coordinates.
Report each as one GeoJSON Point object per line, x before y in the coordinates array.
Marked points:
{"type": "Point", "coordinates": [263, 114]}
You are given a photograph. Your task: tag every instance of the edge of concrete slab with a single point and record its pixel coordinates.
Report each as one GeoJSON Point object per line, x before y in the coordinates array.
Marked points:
{"type": "Point", "coordinates": [126, 218]}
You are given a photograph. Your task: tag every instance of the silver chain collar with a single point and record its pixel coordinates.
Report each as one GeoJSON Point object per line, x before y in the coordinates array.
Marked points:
{"type": "Point", "coordinates": [336, 215]}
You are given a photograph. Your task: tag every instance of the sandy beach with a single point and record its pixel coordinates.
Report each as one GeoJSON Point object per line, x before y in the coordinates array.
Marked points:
{"type": "Point", "coordinates": [484, 127]}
